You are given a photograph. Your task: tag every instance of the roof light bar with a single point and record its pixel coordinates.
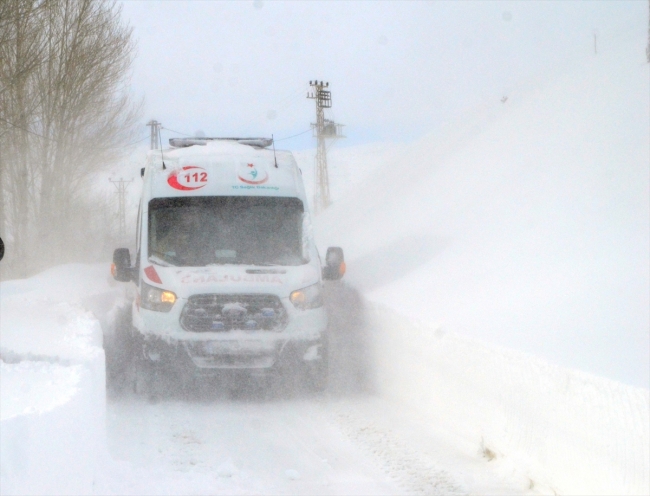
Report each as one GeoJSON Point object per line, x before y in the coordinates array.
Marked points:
{"type": "Point", "coordinates": [185, 142]}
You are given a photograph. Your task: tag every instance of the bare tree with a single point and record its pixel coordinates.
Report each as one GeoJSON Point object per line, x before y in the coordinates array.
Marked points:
{"type": "Point", "coordinates": [70, 116]}
{"type": "Point", "coordinates": [647, 48]}
{"type": "Point", "coordinates": [21, 53]}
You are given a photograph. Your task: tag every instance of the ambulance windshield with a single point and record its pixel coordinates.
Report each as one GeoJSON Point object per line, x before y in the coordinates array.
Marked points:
{"type": "Point", "coordinates": [202, 231]}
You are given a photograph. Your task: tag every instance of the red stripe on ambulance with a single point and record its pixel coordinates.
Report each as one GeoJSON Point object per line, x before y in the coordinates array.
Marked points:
{"type": "Point", "coordinates": [151, 273]}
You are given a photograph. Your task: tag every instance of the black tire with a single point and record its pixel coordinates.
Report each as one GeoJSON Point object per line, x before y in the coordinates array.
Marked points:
{"type": "Point", "coordinates": [318, 380]}
{"type": "Point", "coordinates": [141, 376]}
{"type": "Point", "coordinates": [318, 371]}
{"type": "Point", "coordinates": [146, 381]}
{"type": "Point", "coordinates": [119, 353]}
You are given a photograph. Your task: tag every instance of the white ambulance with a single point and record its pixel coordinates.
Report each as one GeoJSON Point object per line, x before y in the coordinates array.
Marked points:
{"type": "Point", "coordinates": [226, 270]}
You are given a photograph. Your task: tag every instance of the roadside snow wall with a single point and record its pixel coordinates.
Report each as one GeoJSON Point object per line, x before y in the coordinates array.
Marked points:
{"type": "Point", "coordinates": [556, 430]}
{"type": "Point", "coordinates": [52, 381]}
{"type": "Point", "coordinates": [523, 225]}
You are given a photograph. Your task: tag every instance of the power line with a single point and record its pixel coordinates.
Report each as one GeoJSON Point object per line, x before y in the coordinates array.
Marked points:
{"type": "Point", "coordinates": [293, 95]}
{"type": "Point", "coordinates": [177, 132]}
{"type": "Point", "coordinates": [128, 144]}
{"type": "Point", "coordinates": [289, 137]}
{"type": "Point", "coordinates": [82, 147]}
{"type": "Point", "coordinates": [281, 108]}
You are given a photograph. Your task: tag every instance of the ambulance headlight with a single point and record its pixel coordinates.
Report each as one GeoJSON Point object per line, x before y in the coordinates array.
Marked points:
{"type": "Point", "coordinates": [306, 298]}
{"type": "Point", "coordinates": [156, 299]}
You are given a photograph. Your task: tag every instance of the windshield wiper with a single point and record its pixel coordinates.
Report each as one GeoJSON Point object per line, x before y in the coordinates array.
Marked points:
{"type": "Point", "coordinates": [243, 262]}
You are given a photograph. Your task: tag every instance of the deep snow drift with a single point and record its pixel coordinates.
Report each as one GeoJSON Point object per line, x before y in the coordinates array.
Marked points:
{"type": "Point", "coordinates": [524, 224]}
{"type": "Point", "coordinates": [52, 380]}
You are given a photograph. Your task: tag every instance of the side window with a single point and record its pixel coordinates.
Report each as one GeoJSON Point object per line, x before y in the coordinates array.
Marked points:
{"type": "Point", "coordinates": [307, 237]}
{"type": "Point", "coordinates": [138, 228]}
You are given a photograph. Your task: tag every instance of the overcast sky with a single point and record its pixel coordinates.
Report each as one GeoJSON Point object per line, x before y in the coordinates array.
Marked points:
{"type": "Point", "coordinates": [397, 70]}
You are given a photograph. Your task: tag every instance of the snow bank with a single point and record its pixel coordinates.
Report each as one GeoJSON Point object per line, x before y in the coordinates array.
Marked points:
{"type": "Point", "coordinates": [50, 447]}
{"type": "Point", "coordinates": [523, 225]}
{"type": "Point", "coordinates": [52, 377]}
{"type": "Point", "coordinates": [551, 429]}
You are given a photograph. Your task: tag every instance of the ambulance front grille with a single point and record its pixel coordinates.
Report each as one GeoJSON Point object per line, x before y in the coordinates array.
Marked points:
{"type": "Point", "coordinates": [227, 312]}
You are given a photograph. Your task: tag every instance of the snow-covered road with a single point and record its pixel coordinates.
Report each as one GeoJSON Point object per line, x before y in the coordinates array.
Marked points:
{"type": "Point", "coordinates": [247, 446]}
{"type": "Point", "coordinates": [282, 441]}
{"type": "Point", "coordinates": [410, 409]}
{"type": "Point", "coordinates": [286, 440]}
{"type": "Point", "coordinates": [299, 446]}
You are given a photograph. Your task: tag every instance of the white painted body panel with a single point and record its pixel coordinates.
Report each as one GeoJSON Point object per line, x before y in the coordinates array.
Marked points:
{"type": "Point", "coordinates": [225, 168]}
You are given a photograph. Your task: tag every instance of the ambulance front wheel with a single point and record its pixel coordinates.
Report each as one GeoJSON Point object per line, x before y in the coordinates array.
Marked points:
{"type": "Point", "coordinates": [145, 378]}
{"type": "Point", "coordinates": [318, 371]}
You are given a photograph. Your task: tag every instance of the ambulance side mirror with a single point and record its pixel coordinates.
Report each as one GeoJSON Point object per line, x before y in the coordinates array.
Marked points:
{"type": "Point", "coordinates": [334, 264]}
{"type": "Point", "coordinates": [121, 268]}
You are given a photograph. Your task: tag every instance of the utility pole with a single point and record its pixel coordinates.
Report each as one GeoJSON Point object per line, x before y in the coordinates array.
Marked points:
{"type": "Point", "coordinates": [323, 128]}
{"type": "Point", "coordinates": [121, 186]}
{"type": "Point", "coordinates": [155, 132]}
{"type": "Point", "coordinates": [647, 49]}
{"type": "Point", "coordinates": [321, 183]}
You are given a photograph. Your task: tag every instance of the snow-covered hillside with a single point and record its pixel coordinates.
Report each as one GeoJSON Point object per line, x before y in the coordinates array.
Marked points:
{"type": "Point", "coordinates": [523, 224]}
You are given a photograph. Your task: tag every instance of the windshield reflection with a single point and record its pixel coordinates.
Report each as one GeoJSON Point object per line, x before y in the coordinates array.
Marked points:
{"type": "Point", "coordinates": [204, 231]}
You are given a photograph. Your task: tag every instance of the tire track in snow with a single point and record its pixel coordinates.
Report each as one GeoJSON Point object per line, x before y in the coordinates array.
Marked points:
{"type": "Point", "coordinates": [417, 472]}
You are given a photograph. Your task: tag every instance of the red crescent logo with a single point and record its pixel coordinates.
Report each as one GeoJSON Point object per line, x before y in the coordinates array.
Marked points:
{"type": "Point", "coordinates": [254, 182]}
{"type": "Point", "coordinates": [254, 173]}
{"type": "Point", "coordinates": [195, 178]}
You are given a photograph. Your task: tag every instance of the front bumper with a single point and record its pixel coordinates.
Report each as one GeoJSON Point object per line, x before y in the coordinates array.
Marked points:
{"type": "Point", "coordinates": [163, 340]}
{"type": "Point", "coordinates": [233, 353]}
